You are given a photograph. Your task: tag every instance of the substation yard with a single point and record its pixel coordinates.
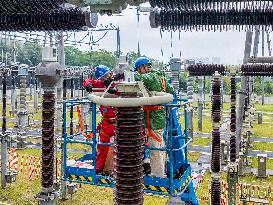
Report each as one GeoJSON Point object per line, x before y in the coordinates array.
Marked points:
{"type": "Point", "coordinates": [27, 185]}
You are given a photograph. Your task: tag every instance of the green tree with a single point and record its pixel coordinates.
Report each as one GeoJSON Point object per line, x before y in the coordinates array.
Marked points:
{"type": "Point", "coordinates": [268, 88]}
{"type": "Point", "coordinates": [207, 85]}
{"type": "Point", "coordinates": [258, 85]}
{"type": "Point", "coordinates": [183, 78]}
{"type": "Point", "coordinates": [75, 57]}
{"type": "Point", "coordinates": [226, 85]}
{"type": "Point", "coordinates": [102, 57]}
{"type": "Point", "coordinates": [131, 57]}
{"type": "Point", "coordinates": [29, 53]}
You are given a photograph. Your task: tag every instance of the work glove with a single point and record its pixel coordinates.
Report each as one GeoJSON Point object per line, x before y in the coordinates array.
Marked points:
{"type": "Point", "coordinates": [112, 90]}
{"type": "Point", "coordinates": [108, 82]}
{"type": "Point", "coordinates": [119, 76]}
{"type": "Point", "coordinates": [89, 88]}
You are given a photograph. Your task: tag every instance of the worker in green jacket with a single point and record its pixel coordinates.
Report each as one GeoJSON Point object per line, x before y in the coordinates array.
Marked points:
{"type": "Point", "coordinates": [154, 115]}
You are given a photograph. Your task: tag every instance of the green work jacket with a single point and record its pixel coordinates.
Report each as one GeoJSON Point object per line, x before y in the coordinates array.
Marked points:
{"type": "Point", "coordinates": [152, 82]}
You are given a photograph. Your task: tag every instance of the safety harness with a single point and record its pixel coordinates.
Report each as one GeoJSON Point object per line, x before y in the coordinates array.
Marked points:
{"type": "Point", "coordinates": [151, 133]}
{"type": "Point", "coordinates": [148, 109]}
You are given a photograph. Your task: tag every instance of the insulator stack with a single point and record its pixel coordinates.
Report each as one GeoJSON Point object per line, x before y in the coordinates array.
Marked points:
{"type": "Point", "coordinates": [48, 139]}
{"type": "Point", "coordinates": [190, 88]}
{"type": "Point", "coordinates": [232, 149]}
{"type": "Point", "coordinates": [59, 19]}
{"type": "Point", "coordinates": [206, 69]}
{"type": "Point", "coordinates": [23, 93]}
{"type": "Point", "coordinates": [190, 111]}
{"type": "Point", "coordinates": [257, 70]}
{"type": "Point", "coordinates": [216, 140]}
{"type": "Point", "coordinates": [33, 6]}
{"type": "Point", "coordinates": [212, 20]}
{"type": "Point", "coordinates": [211, 4]}
{"type": "Point", "coordinates": [175, 81]}
{"type": "Point", "coordinates": [129, 152]}
{"type": "Point", "coordinates": [215, 192]}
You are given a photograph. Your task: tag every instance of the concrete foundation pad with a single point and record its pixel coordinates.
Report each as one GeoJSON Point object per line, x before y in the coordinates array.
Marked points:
{"type": "Point", "coordinates": [175, 201]}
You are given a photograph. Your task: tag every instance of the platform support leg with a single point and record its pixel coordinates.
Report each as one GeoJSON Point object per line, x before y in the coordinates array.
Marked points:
{"type": "Point", "coordinates": [189, 195]}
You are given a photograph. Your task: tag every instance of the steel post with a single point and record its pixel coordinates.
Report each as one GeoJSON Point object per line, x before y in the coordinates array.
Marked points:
{"type": "Point", "coordinates": [243, 90]}
{"type": "Point", "coordinates": [3, 134]}
{"type": "Point", "coordinates": [200, 102]}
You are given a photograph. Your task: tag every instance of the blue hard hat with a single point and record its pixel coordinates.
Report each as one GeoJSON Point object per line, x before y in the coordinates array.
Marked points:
{"type": "Point", "coordinates": [101, 71]}
{"type": "Point", "coordinates": [142, 61]}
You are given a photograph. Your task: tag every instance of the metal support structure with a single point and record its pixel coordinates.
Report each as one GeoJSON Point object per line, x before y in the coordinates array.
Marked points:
{"type": "Point", "coordinates": [3, 134]}
{"type": "Point", "coordinates": [36, 95]}
{"type": "Point", "coordinates": [263, 76]}
{"type": "Point", "coordinates": [200, 102]}
{"type": "Point", "coordinates": [63, 183]}
{"type": "Point", "coordinates": [31, 84]}
{"type": "Point", "coordinates": [71, 109]}
{"type": "Point", "coordinates": [190, 110]}
{"type": "Point", "coordinates": [118, 44]}
{"type": "Point", "coordinates": [61, 60]}
{"type": "Point", "coordinates": [243, 90]}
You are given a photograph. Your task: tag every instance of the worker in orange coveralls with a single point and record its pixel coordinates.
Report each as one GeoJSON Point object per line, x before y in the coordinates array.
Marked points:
{"type": "Point", "coordinates": [106, 127]}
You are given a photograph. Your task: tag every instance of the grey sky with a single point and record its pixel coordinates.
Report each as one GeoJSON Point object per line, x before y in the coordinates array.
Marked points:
{"type": "Point", "coordinates": [229, 46]}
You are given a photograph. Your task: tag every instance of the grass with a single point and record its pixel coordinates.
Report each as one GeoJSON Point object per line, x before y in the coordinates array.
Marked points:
{"type": "Point", "coordinates": [264, 108]}
{"type": "Point", "coordinates": [206, 126]}
{"type": "Point", "coordinates": [262, 146]}
{"type": "Point", "coordinates": [38, 152]}
{"type": "Point", "coordinates": [193, 156]}
{"type": "Point", "coordinates": [201, 141]}
{"type": "Point", "coordinates": [247, 179]}
{"type": "Point", "coordinates": [254, 163]}
{"type": "Point", "coordinates": [251, 178]}
{"type": "Point", "coordinates": [22, 192]}
{"type": "Point", "coordinates": [263, 130]}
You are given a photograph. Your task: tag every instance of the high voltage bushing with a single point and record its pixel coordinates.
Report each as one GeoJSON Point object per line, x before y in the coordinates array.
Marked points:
{"type": "Point", "coordinates": [211, 20]}
{"type": "Point", "coordinates": [37, 6]}
{"type": "Point", "coordinates": [129, 143]}
{"type": "Point", "coordinates": [257, 70]}
{"type": "Point", "coordinates": [232, 176]}
{"type": "Point", "coordinates": [48, 139]}
{"type": "Point", "coordinates": [216, 140]}
{"type": "Point", "coordinates": [107, 7]}
{"type": "Point", "coordinates": [48, 72]}
{"type": "Point", "coordinates": [129, 156]}
{"type": "Point", "coordinates": [59, 19]}
{"type": "Point", "coordinates": [209, 4]}
{"type": "Point", "coordinates": [206, 69]}
{"type": "Point", "coordinates": [232, 148]}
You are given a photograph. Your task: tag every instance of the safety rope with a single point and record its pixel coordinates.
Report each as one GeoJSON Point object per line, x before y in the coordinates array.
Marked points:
{"type": "Point", "coordinates": [84, 134]}
{"type": "Point", "coordinates": [161, 42]}
{"type": "Point", "coordinates": [138, 31]}
{"type": "Point", "coordinates": [150, 132]}
{"type": "Point", "coordinates": [172, 48]}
